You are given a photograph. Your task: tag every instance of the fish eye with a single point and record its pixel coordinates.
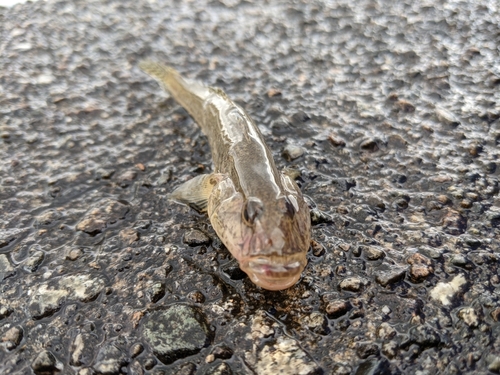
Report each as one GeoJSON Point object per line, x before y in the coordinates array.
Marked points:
{"type": "Point", "coordinates": [252, 210]}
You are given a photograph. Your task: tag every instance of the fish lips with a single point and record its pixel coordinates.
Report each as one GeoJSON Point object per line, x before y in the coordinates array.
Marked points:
{"type": "Point", "coordinates": [272, 273]}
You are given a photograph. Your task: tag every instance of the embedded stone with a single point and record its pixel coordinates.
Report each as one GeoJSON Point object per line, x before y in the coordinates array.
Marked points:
{"type": "Point", "coordinates": [44, 363]}
{"type": "Point", "coordinates": [372, 253]}
{"type": "Point", "coordinates": [374, 366]}
{"type": "Point", "coordinates": [12, 338]}
{"type": "Point", "coordinates": [337, 308]}
{"type": "Point", "coordinates": [425, 336]}
{"type": "Point", "coordinates": [51, 295]}
{"type": "Point", "coordinates": [285, 357]}
{"type": "Point", "coordinates": [10, 235]}
{"type": "Point", "coordinates": [220, 369]}
{"type": "Point", "coordinates": [104, 213]}
{"type": "Point", "coordinates": [6, 269]}
{"type": "Point", "coordinates": [292, 152]}
{"type": "Point", "coordinates": [385, 331]}
{"type": "Point", "coordinates": [82, 349]}
{"type": "Point", "coordinates": [445, 292]}
{"type": "Point", "coordinates": [34, 261]}
{"type": "Point", "coordinates": [495, 314]}
{"type": "Point", "coordinates": [129, 236]}
{"type": "Point", "coordinates": [109, 360]}
{"type": "Point", "coordinates": [177, 332]}
{"type": "Point", "coordinates": [196, 237]}
{"type": "Point", "coordinates": [390, 276]}
{"type": "Point", "coordinates": [420, 267]}
{"type": "Point", "coordinates": [317, 322]}
{"type": "Point", "coordinates": [469, 316]}
{"type": "Point", "coordinates": [353, 284]}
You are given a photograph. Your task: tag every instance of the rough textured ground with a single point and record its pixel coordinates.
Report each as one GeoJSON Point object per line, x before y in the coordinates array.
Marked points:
{"type": "Point", "coordinates": [390, 111]}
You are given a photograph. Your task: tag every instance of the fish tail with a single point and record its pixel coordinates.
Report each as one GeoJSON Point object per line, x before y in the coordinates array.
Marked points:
{"type": "Point", "coordinates": [190, 94]}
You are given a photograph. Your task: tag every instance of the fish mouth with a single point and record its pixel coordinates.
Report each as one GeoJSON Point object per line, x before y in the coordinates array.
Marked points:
{"type": "Point", "coordinates": [273, 274]}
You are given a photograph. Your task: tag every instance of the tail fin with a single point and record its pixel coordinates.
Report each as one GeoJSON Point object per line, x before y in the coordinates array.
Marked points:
{"type": "Point", "coordinates": [190, 94]}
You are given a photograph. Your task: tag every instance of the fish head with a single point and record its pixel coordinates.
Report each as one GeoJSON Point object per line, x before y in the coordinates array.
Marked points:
{"type": "Point", "coordinates": [274, 254]}
{"type": "Point", "coordinates": [268, 237]}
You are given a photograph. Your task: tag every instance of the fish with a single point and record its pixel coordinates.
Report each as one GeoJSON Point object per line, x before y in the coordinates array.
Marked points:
{"type": "Point", "coordinates": [258, 212]}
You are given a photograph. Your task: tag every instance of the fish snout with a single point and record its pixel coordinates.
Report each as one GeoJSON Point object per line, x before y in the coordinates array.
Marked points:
{"type": "Point", "coordinates": [274, 273]}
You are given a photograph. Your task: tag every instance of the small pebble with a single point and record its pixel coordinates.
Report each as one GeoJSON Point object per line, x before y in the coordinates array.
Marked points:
{"type": "Point", "coordinates": [74, 254]}
{"type": "Point", "coordinates": [319, 217]}
{"type": "Point", "coordinates": [419, 272]}
{"type": "Point", "coordinates": [34, 261]}
{"type": "Point", "coordinates": [86, 371]}
{"type": "Point", "coordinates": [106, 211]}
{"type": "Point", "coordinates": [47, 218]}
{"type": "Point", "coordinates": [459, 260]}
{"type": "Point", "coordinates": [443, 199]}
{"type": "Point", "coordinates": [109, 360]}
{"type": "Point", "coordinates": [386, 332]}
{"type": "Point", "coordinates": [316, 322]}
{"type": "Point", "coordinates": [386, 310]}
{"type": "Point", "coordinates": [373, 366]}
{"type": "Point", "coordinates": [466, 203]}
{"type": "Point", "coordinates": [149, 363]}
{"type": "Point", "coordinates": [445, 292]}
{"type": "Point", "coordinates": [336, 140]}
{"type": "Point", "coordinates": [222, 352]}
{"type": "Point", "coordinates": [292, 152]}
{"type": "Point", "coordinates": [352, 284]}
{"type": "Point", "coordinates": [156, 291]}
{"type": "Point", "coordinates": [136, 349]}
{"type": "Point", "coordinates": [13, 337]}
{"type": "Point", "coordinates": [5, 312]}
{"type": "Point", "coordinates": [405, 106]}
{"type": "Point", "coordinates": [6, 269]}
{"type": "Point", "coordinates": [185, 369]}
{"type": "Point", "coordinates": [337, 308]}
{"type": "Point", "coordinates": [390, 349]}
{"type": "Point", "coordinates": [127, 177]}
{"type": "Point", "coordinates": [495, 314]}
{"type": "Point", "coordinates": [469, 316]}
{"type": "Point", "coordinates": [372, 253]}
{"type": "Point", "coordinates": [424, 335]}
{"type": "Point", "coordinates": [343, 210]}
{"type": "Point", "coordinates": [369, 145]}
{"type": "Point", "coordinates": [129, 235]}
{"type": "Point", "coordinates": [273, 92]}
{"type": "Point", "coordinates": [196, 296]}
{"type": "Point", "coordinates": [317, 248]}
{"type": "Point", "coordinates": [220, 369]}
{"type": "Point", "coordinates": [390, 276]}
{"type": "Point", "coordinates": [421, 267]}
{"type": "Point", "coordinates": [475, 149]}
{"type": "Point", "coordinates": [364, 350]}
{"type": "Point", "coordinates": [494, 365]}
{"type": "Point", "coordinates": [104, 173]}
{"type": "Point", "coordinates": [45, 362]}
{"type": "Point", "coordinates": [446, 117]}
{"type": "Point", "coordinates": [194, 237]}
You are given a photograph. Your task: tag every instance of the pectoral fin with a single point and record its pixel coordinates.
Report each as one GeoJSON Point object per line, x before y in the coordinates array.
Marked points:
{"type": "Point", "coordinates": [195, 192]}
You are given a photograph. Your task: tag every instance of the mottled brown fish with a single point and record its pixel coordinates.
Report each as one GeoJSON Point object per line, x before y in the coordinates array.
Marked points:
{"type": "Point", "coordinates": [258, 212]}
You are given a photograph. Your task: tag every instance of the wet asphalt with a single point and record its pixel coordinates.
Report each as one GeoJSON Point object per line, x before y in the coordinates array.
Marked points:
{"type": "Point", "coordinates": [389, 112]}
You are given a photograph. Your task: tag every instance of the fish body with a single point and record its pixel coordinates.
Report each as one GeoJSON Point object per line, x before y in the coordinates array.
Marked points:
{"type": "Point", "coordinates": [258, 212]}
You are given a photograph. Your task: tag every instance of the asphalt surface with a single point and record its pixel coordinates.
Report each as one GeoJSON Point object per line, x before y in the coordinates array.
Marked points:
{"type": "Point", "coordinates": [389, 112]}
